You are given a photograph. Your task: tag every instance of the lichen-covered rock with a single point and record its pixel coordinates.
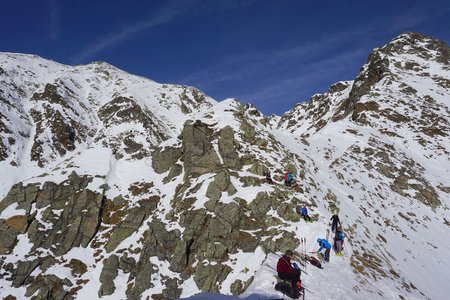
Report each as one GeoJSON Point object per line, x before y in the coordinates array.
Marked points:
{"type": "Point", "coordinates": [172, 290]}
{"type": "Point", "coordinates": [78, 267]}
{"type": "Point", "coordinates": [199, 155]}
{"type": "Point", "coordinates": [20, 195]}
{"type": "Point", "coordinates": [126, 227]}
{"type": "Point", "coordinates": [261, 205]}
{"type": "Point", "coordinates": [126, 264]}
{"type": "Point", "coordinates": [180, 256]}
{"type": "Point", "coordinates": [107, 276]}
{"type": "Point", "coordinates": [23, 271]}
{"type": "Point", "coordinates": [49, 287]}
{"type": "Point", "coordinates": [158, 242]}
{"type": "Point", "coordinates": [258, 169]}
{"type": "Point", "coordinates": [287, 212]}
{"type": "Point", "coordinates": [175, 171]}
{"type": "Point", "coordinates": [227, 148]}
{"type": "Point", "coordinates": [238, 287]}
{"type": "Point", "coordinates": [208, 277]}
{"type": "Point", "coordinates": [78, 220]}
{"type": "Point", "coordinates": [164, 159]}
{"type": "Point", "coordinates": [248, 131]}
{"type": "Point", "coordinates": [221, 183]}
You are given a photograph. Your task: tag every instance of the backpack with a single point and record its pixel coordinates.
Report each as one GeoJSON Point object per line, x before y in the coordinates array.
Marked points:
{"type": "Point", "coordinates": [315, 262]}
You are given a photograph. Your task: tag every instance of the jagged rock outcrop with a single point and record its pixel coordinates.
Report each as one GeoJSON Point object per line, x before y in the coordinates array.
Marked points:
{"type": "Point", "coordinates": [199, 155]}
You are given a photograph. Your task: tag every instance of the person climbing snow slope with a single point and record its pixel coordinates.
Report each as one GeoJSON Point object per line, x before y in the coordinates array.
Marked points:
{"type": "Point", "coordinates": [324, 244]}
{"type": "Point", "coordinates": [339, 241]}
{"type": "Point", "coordinates": [335, 222]}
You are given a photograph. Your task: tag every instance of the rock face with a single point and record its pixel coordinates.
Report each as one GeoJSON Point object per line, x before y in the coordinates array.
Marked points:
{"type": "Point", "coordinates": [58, 218]}
{"type": "Point", "coordinates": [68, 228]}
{"type": "Point", "coordinates": [199, 156]}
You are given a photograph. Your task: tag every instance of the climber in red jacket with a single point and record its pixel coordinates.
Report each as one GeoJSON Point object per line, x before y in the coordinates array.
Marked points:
{"type": "Point", "coordinates": [287, 271]}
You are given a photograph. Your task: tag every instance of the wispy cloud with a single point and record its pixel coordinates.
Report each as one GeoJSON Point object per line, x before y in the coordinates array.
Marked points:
{"type": "Point", "coordinates": [240, 66]}
{"type": "Point", "coordinates": [54, 10]}
{"type": "Point", "coordinates": [301, 86]}
{"type": "Point", "coordinates": [417, 15]}
{"type": "Point", "coordinates": [168, 12]}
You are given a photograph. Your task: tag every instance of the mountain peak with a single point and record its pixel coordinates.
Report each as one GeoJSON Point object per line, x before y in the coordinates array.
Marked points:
{"type": "Point", "coordinates": [415, 43]}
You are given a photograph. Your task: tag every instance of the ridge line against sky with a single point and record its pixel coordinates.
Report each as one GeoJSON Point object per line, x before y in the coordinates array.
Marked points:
{"type": "Point", "coordinates": [272, 53]}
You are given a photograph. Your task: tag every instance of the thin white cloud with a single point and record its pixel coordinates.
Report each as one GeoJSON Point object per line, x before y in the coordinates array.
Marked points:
{"type": "Point", "coordinates": [416, 15]}
{"type": "Point", "coordinates": [168, 12]}
{"type": "Point", "coordinates": [242, 66]}
{"type": "Point", "coordinates": [54, 10]}
{"type": "Point", "coordinates": [309, 76]}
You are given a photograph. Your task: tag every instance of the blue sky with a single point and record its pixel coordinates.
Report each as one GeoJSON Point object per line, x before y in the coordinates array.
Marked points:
{"type": "Point", "coordinates": [272, 53]}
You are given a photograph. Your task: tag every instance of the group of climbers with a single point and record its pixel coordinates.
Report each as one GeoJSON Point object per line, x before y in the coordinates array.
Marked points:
{"type": "Point", "coordinates": [291, 272]}
{"type": "Point", "coordinates": [339, 235]}
{"type": "Point", "coordinates": [338, 239]}
{"type": "Point", "coordinates": [288, 177]}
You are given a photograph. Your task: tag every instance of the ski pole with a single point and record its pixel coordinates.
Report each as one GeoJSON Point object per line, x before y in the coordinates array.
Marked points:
{"type": "Point", "coordinates": [304, 250]}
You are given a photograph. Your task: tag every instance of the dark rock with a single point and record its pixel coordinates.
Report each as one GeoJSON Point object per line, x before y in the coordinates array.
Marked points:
{"type": "Point", "coordinates": [126, 264]}
{"type": "Point", "coordinates": [221, 183]}
{"type": "Point", "coordinates": [78, 267]}
{"type": "Point", "coordinates": [172, 290]}
{"type": "Point", "coordinates": [208, 277]}
{"type": "Point", "coordinates": [23, 271]}
{"type": "Point", "coordinates": [49, 287]}
{"type": "Point", "coordinates": [163, 160]}
{"type": "Point", "coordinates": [199, 155]}
{"type": "Point", "coordinates": [107, 276]}
{"type": "Point", "coordinates": [125, 228]}
{"type": "Point", "coordinates": [227, 148]}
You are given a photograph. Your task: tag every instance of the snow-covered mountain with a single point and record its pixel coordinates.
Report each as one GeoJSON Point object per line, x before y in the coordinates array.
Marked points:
{"type": "Point", "coordinates": [115, 186]}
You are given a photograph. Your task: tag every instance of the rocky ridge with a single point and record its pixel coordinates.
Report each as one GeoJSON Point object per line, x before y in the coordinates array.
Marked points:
{"type": "Point", "coordinates": [162, 187]}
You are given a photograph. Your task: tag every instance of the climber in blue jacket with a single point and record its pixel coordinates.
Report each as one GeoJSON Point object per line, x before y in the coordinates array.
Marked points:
{"type": "Point", "coordinates": [323, 243]}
